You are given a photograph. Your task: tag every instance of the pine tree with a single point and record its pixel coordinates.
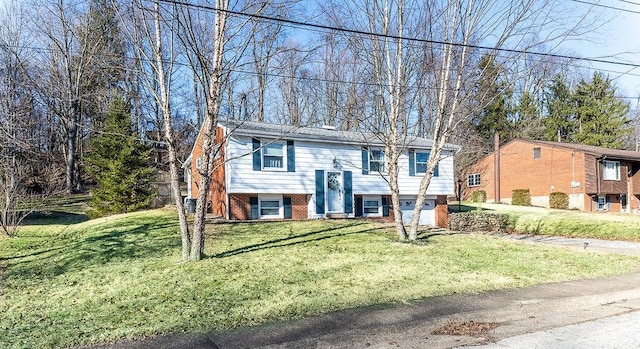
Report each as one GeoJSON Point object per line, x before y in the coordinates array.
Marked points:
{"type": "Point", "coordinates": [493, 97]}
{"type": "Point", "coordinates": [530, 124]}
{"type": "Point", "coordinates": [560, 119]}
{"type": "Point", "coordinates": [601, 118]}
{"type": "Point", "coordinates": [119, 162]}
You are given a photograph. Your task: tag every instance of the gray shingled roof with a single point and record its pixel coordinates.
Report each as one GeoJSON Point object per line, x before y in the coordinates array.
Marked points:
{"type": "Point", "coordinates": [593, 150]}
{"type": "Point", "coordinates": [260, 129]}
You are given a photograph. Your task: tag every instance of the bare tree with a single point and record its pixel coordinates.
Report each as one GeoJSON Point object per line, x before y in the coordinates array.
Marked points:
{"type": "Point", "coordinates": [460, 27]}
{"type": "Point", "coordinates": [21, 160]}
{"type": "Point", "coordinates": [152, 32]}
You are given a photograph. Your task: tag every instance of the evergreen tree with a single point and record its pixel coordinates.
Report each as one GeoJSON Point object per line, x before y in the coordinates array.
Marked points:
{"type": "Point", "coordinates": [493, 97]}
{"type": "Point", "coordinates": [601, 118]}
{"type": "Point", "coordinates": [120, 164]}
{"type": "Point", "coordinates": [530, 124]}
{"type": "Point", "coordinates": [560, 119]}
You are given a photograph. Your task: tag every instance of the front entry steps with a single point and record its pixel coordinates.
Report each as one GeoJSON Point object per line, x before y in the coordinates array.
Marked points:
{"type": "Point", "coordinates": [337, 215]}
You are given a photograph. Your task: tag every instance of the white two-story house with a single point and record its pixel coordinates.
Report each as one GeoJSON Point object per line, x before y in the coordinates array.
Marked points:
{"type": "Point", "coordinates": [271, 171]}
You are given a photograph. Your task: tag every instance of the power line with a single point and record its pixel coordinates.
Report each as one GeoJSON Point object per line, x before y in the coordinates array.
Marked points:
{"type": "Point", "coordinates": [609, 6]}
{"type": "Point", "coordinates": [399, 37]}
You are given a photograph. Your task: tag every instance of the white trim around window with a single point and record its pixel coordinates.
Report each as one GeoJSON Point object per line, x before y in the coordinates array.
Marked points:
{"type": "Point", "coordinates": [372, 206]}
{"type": "Point", "coordinates": [270, 206]}
{"type": "Point", "coordinates": [274, 156]}
{"type": "Point", "coordinates": [377, 161]}
{"type": "Point", "coordinates": [473, 180]}
{"type": "Point", "coordinates": [611, 170]}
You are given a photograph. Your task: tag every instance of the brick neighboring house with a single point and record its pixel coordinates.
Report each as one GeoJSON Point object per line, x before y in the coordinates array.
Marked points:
{"type": "Point", "coordinates": [595, 178]}
{"type": "Point", "coordinates": [284, 172]}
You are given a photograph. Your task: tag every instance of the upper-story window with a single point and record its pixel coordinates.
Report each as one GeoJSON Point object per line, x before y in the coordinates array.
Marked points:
{"type": "Point", "coordinates": [421, 161]}
{"type": "Point", "coordinates": [536, 153]}
{"type": "Point", "coordinates": [273, 156]}
{"type": "Point", "coordinates": [611, 170]}
{"type": "Point", "coordinates": [376, 161]}
{"type": "Point", "coordinates": [473, 180]}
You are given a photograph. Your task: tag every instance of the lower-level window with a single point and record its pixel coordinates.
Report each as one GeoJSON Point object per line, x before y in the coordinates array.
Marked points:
{"type": "Point", "coordinates": [371, 206]}
{"type": "Point", "coordinates": [271, 207]}
{"type": "Point", "coordinates": [602, 204]}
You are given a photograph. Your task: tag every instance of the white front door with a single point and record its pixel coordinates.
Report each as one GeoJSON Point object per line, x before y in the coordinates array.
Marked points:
{"type": "Point", "coordinates": [335, 190]}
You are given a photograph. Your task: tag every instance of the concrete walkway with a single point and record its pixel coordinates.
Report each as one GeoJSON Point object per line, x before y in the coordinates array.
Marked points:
{"type": "Point", "coordinates": [516, 312]}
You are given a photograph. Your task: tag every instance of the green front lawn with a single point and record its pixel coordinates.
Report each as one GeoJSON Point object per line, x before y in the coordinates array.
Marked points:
{"type": "Point", "coordinates": [119, 277]}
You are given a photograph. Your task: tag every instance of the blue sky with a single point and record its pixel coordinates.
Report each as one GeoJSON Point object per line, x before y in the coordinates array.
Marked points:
{"type": "Point", "coordinates": [617, 40]}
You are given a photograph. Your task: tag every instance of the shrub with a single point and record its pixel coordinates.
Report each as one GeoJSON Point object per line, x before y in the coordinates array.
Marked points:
{"type": "Point", "coordinates": [521, 197]}
{"type": "Point", "coordinates": [479, 196]}
{"type": "Point", "coordinates": [559, 200]}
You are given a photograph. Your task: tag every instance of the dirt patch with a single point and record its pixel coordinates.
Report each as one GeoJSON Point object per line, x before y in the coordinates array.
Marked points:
{"type": "Point", "coordinates": [466, 328]}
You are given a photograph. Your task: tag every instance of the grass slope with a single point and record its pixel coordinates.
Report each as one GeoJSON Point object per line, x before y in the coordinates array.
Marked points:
{"type": "Point", "coordinates": [119, 277]}
{"type": "Point", "coordinates": [569, 223]}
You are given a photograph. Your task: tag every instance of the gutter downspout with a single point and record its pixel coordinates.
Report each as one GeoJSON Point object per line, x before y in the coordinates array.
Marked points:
{"type": "Point", "coordinates": [496, 166]}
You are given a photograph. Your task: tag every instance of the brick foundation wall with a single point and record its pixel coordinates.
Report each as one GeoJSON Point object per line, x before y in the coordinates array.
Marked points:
{"type": "Point", "coordinates": [299, 206]}
{"type": "Point", "coordinates": [442, 212]}
{"type": "Point", "coordinates": [240, 207]}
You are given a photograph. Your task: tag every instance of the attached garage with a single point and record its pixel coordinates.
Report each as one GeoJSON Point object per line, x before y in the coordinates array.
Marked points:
{"type": "Point", "coordinates": [427, 215]}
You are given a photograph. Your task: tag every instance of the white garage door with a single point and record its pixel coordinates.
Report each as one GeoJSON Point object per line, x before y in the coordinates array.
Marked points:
{"type": "Point", "coordinates": [427, 215]}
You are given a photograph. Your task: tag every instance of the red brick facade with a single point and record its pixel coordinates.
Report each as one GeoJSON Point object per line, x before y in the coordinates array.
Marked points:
{"type": "Point", "coordinates": [240, 207]}
{"type": "Point", "coordinates": [217, 190]}
{"type": "Point", "coordinates": [442, 212]}
{"type": "Point", "coordinates": [545, 167]}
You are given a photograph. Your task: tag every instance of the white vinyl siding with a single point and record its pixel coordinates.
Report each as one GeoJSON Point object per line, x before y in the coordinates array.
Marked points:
{"type": "Point", "coordinates": [316, 155]}
{"type": "Point", "coordinates": [611, 170]}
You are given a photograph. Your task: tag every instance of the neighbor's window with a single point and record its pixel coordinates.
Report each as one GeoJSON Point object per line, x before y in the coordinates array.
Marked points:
{"type": "Point", "coordinates": [473, 180]}
{"type": "Point", "coordinates": [376, 161]}
{"type": "Point", "coordinates": [273, 156]}
{"type": "Point", "coordinates": [602, 203]}
{"type": "Point", "coordinates": [611, 170]}
{"type": "Point", "coordinates": [536, 153]}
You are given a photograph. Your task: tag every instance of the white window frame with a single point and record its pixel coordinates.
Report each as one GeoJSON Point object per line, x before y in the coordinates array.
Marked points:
{"type": "Point", "coordinates": [415, 162]}
{"type": "Point", "coordinates": [607, 175]}
{"type": "Point", "coordinates": [278, 198]}
{"type": "Point", "coordinates": [601, 203]}
{"type": "Point", "coordinates": [283, 146]}
{"type": "Point", "coordinates": [378, 199]}
{"type": "Point", "coordinates": [382, 161]}
{"type": "Point", "coordinates": [473, 180]}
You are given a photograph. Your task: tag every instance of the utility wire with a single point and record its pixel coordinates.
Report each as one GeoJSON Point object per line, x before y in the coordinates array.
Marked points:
{"type": "Point", "coordinates": [399, 37]}
{"type": "Point", "coordinates": [608, 6]}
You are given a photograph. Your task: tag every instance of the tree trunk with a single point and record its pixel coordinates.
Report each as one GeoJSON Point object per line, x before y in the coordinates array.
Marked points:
{"type": "Point", "coordinates": [165, 106]}
{"type": "Point", "coordinates": [72, 137]}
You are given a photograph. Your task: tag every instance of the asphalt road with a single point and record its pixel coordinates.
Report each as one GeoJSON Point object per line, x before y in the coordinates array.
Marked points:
{"type": "Point", "coordinates": [615, 332]}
